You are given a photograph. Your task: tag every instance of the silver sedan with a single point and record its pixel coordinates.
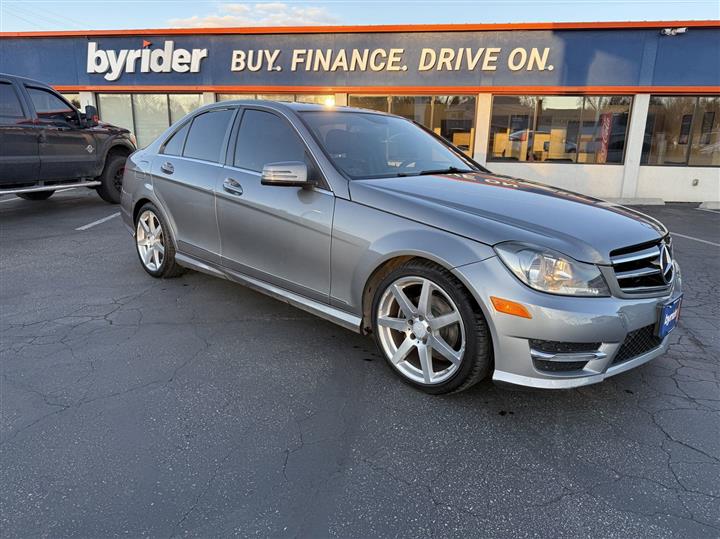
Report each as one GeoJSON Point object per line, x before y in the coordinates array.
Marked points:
{"type": "Point", "coordinates": [375, 223]}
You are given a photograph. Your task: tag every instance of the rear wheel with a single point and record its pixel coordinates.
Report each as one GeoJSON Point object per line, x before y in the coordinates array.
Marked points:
{"type": "Point", "coordinates": [36, 195]}
{"type": "Point", "coordinates": [429, 329]}
{"type": "Point", "coordinates": [154, 244]}
{"type": "Point", "coordinates": [111, 178]}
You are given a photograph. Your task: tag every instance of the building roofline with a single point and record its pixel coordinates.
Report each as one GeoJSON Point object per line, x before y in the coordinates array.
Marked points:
{"type": "Point", "coordinates": [387, 28]}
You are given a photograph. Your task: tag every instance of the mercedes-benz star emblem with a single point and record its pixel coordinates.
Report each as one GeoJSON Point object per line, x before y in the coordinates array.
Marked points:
{"type": "Point", "coordinates": [666, 264]}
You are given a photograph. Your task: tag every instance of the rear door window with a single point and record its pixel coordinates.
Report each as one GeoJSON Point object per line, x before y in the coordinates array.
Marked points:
{"type": "Point", "coordinates": [207, 134]}
{"type": "Point", "coordinates": [10, 102]}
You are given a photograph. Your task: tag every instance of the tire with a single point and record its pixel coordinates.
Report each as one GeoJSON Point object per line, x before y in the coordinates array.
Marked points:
{"type": "Point", "coordinates": [465, 337]}
{"type": "Point", "coordinates": [111, 179]}
{"type": "Point", "coordinates": [151, 231]}
{"type": "Point", "coordinates": [36, 195]}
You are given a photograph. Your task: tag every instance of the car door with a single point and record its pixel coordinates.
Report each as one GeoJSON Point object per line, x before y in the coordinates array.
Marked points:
{"type": "Point", "coordinates": [19, 157]}
{"type": "Point", "coordinates": [185, 172]}
{"type": "Point", "coordinates": [67, 150]}
{"type": "Point", "coordinates": [279, 234]}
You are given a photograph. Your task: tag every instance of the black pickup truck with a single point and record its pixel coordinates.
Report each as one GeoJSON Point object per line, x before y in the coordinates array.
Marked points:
{"type": "Point", "coordinates": [47, 144]}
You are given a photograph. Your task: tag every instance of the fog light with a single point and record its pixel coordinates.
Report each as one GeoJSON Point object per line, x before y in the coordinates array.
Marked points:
{"type": "Point", "coordinates": [510, 307]}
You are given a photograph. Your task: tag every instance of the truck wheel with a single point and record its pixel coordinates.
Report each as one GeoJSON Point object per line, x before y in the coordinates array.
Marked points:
{"type": "Point", "coordinates": [37, 195]}
{"type": "Point", "coordinates": [111, 178]}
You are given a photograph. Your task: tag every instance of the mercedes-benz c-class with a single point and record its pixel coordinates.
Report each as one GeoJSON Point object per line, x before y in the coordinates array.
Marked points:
{"type": "Point", "coordinates": [374, 222]}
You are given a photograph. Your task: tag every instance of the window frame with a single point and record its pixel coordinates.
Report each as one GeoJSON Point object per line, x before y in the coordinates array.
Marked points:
{"type": "Point", "coordinates": [534, 124]}
{"type": "Point", "coordinates": [321, 182]}
{"type": "Point", "coordinates": [693, 121]}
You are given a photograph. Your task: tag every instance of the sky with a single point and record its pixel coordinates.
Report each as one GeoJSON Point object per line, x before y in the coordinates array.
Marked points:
{"type": "Point", "coordinates": [34, 15]}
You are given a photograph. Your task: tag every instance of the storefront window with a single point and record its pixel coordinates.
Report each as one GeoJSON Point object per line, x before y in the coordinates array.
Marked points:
{"type": "Point", "coordinates": [560, 129]}
{"type": "Point", "coordinates": [453, 118]}
{"type": "Point", "coordinates": [327, 100]}
{"type": "Point", "coordinates": [277, 97]}
{"type": "Point", "coordinates": [74, 99]}
{"type": "Point", "coordinates": [682, 131]}
{"type": "Point", "coordinates": [450, 116]}
{"type": "Point", "coordinates": [116, 109]}
{"type": "Point", "coordinates": [146, 115]}
{"type": "Point", "coordinates": [603, 129]}
{"type": "Point", "coordinates": [231, 97]}
{"type": "Point", "coordinates": [372, 102]}
{"type": "Point", "coordinates": [511, 128]}
{"type": "Point", "coordinates": [183, 104]}
{"type": "Point", "coordinates": [416, 108]}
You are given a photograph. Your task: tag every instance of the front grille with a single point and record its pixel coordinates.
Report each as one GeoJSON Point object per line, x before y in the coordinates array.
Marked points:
{"type": "Point", "coordinates": [644, 268]}
{"type": "Point", "coordinates": [637, 343]}
{"type": "Point", "coordinates": [558, 347]}
{"type": "Point", "coordinates": [559, 366]}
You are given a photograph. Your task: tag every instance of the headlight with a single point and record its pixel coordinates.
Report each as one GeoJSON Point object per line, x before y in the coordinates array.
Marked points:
{"type": "Point", "coordinates": [549, 271]}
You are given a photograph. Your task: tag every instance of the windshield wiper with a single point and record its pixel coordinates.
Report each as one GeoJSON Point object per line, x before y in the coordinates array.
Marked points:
{"type": "Point", "coordinates": [448, 170]}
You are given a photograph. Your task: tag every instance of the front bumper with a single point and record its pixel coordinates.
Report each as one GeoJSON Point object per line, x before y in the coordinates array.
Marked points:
{"type": "Point", "coordinates": [607, 322]}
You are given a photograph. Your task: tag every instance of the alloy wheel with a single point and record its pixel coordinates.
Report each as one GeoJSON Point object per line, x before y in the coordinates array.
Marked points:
{"type": "Point", "coordinates": [150, 240]}
{"type": "Point", "coordinates": [421, 330]}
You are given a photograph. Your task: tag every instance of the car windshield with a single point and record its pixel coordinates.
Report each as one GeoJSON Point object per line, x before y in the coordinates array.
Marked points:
{"type": "Point", "coordinates": [367, 145]}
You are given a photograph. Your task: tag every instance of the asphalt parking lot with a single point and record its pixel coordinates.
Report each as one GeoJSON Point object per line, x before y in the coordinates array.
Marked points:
{"type": "Point", "coordinates": [140, 407]}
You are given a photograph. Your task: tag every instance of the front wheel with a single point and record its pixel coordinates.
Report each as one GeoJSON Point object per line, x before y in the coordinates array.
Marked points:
{"type": "Point", "coordinates": [36, 195]}
{"type": "Point", "coordinates": [110, 187]}
{"type": "Point", "coordinates": [429, 329]}
{"type": "Point", "coordinates": [154, 244]}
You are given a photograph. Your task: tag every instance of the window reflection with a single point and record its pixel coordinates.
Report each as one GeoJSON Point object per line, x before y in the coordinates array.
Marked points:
{"type": "Point", "coordinates": [682, 130]}
{"type": "Point", "coordinates": [561, 129]}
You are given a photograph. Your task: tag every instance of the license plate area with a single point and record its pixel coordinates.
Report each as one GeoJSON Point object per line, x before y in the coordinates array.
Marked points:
{"type": "Point", "coordinates": [668, 317]}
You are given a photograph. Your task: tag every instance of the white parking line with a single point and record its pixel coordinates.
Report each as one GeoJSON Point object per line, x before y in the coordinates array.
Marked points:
{"type": "Point", "coordinates": [695, 239]}
{"type": "Point", "coordinates": [98, 222]}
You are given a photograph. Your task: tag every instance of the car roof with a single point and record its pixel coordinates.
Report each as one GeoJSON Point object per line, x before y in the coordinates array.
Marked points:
{"type": "Point", "coordinates": [297, 107]}
{"type": "Point", "coordinates": [17, 78]}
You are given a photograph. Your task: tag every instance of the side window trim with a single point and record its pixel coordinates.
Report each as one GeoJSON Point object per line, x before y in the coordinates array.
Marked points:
{"type": "Point", "coordinates": [26, 114]}
{"type": "Point", "coordinates": [323, 183]}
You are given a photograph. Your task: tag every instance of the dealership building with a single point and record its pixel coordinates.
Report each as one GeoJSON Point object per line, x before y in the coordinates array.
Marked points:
{"type": "Point", "coordinates": [627, 111]}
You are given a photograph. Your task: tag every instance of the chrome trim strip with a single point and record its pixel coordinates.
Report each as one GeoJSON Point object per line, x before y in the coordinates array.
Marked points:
{"type": "Point", "coordinates": [48, 187]}
{"type": "Point", "coordinates": [643, 272]}
{"type": "Point", "coordinates": [650, 252]}
{"type": "Point", "coordinates": [323, 310]}
{"type": "Point", "coordinates": [560, 357]}
{"type": "Point", "coordinates": [643, 289]}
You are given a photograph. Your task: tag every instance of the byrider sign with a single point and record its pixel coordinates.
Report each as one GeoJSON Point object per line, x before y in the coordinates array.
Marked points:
{"type": "Point", "coordinates": [145, 60]}
{"type": "Point", "coordinates": [168, 59]}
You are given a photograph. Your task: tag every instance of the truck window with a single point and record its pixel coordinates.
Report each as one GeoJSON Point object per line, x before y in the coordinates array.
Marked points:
{"type": "Point", "coordinates": [9, 102]}
{"type": "Point", "coordinates": [51, 108]}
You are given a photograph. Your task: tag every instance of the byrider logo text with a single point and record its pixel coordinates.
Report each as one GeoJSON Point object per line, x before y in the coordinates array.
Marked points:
{"type": "Point", "coordinates": [167, 59]}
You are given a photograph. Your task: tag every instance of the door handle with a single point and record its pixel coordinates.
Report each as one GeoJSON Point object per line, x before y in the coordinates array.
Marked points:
{"type": "Point", "coordinates": [233, 187]}
{"type": "Point", "coordinates": [167, 167]}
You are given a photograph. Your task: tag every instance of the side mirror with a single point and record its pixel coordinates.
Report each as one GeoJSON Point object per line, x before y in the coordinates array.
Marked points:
{"type": "Point", "coordinates": [91, 116]}
{"type": "Point", "coordinates": [290, 173]}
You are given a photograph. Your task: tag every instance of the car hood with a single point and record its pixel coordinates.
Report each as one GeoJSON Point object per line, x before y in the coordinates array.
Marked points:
{"type": "Point", "coordinates": [491, 209]}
